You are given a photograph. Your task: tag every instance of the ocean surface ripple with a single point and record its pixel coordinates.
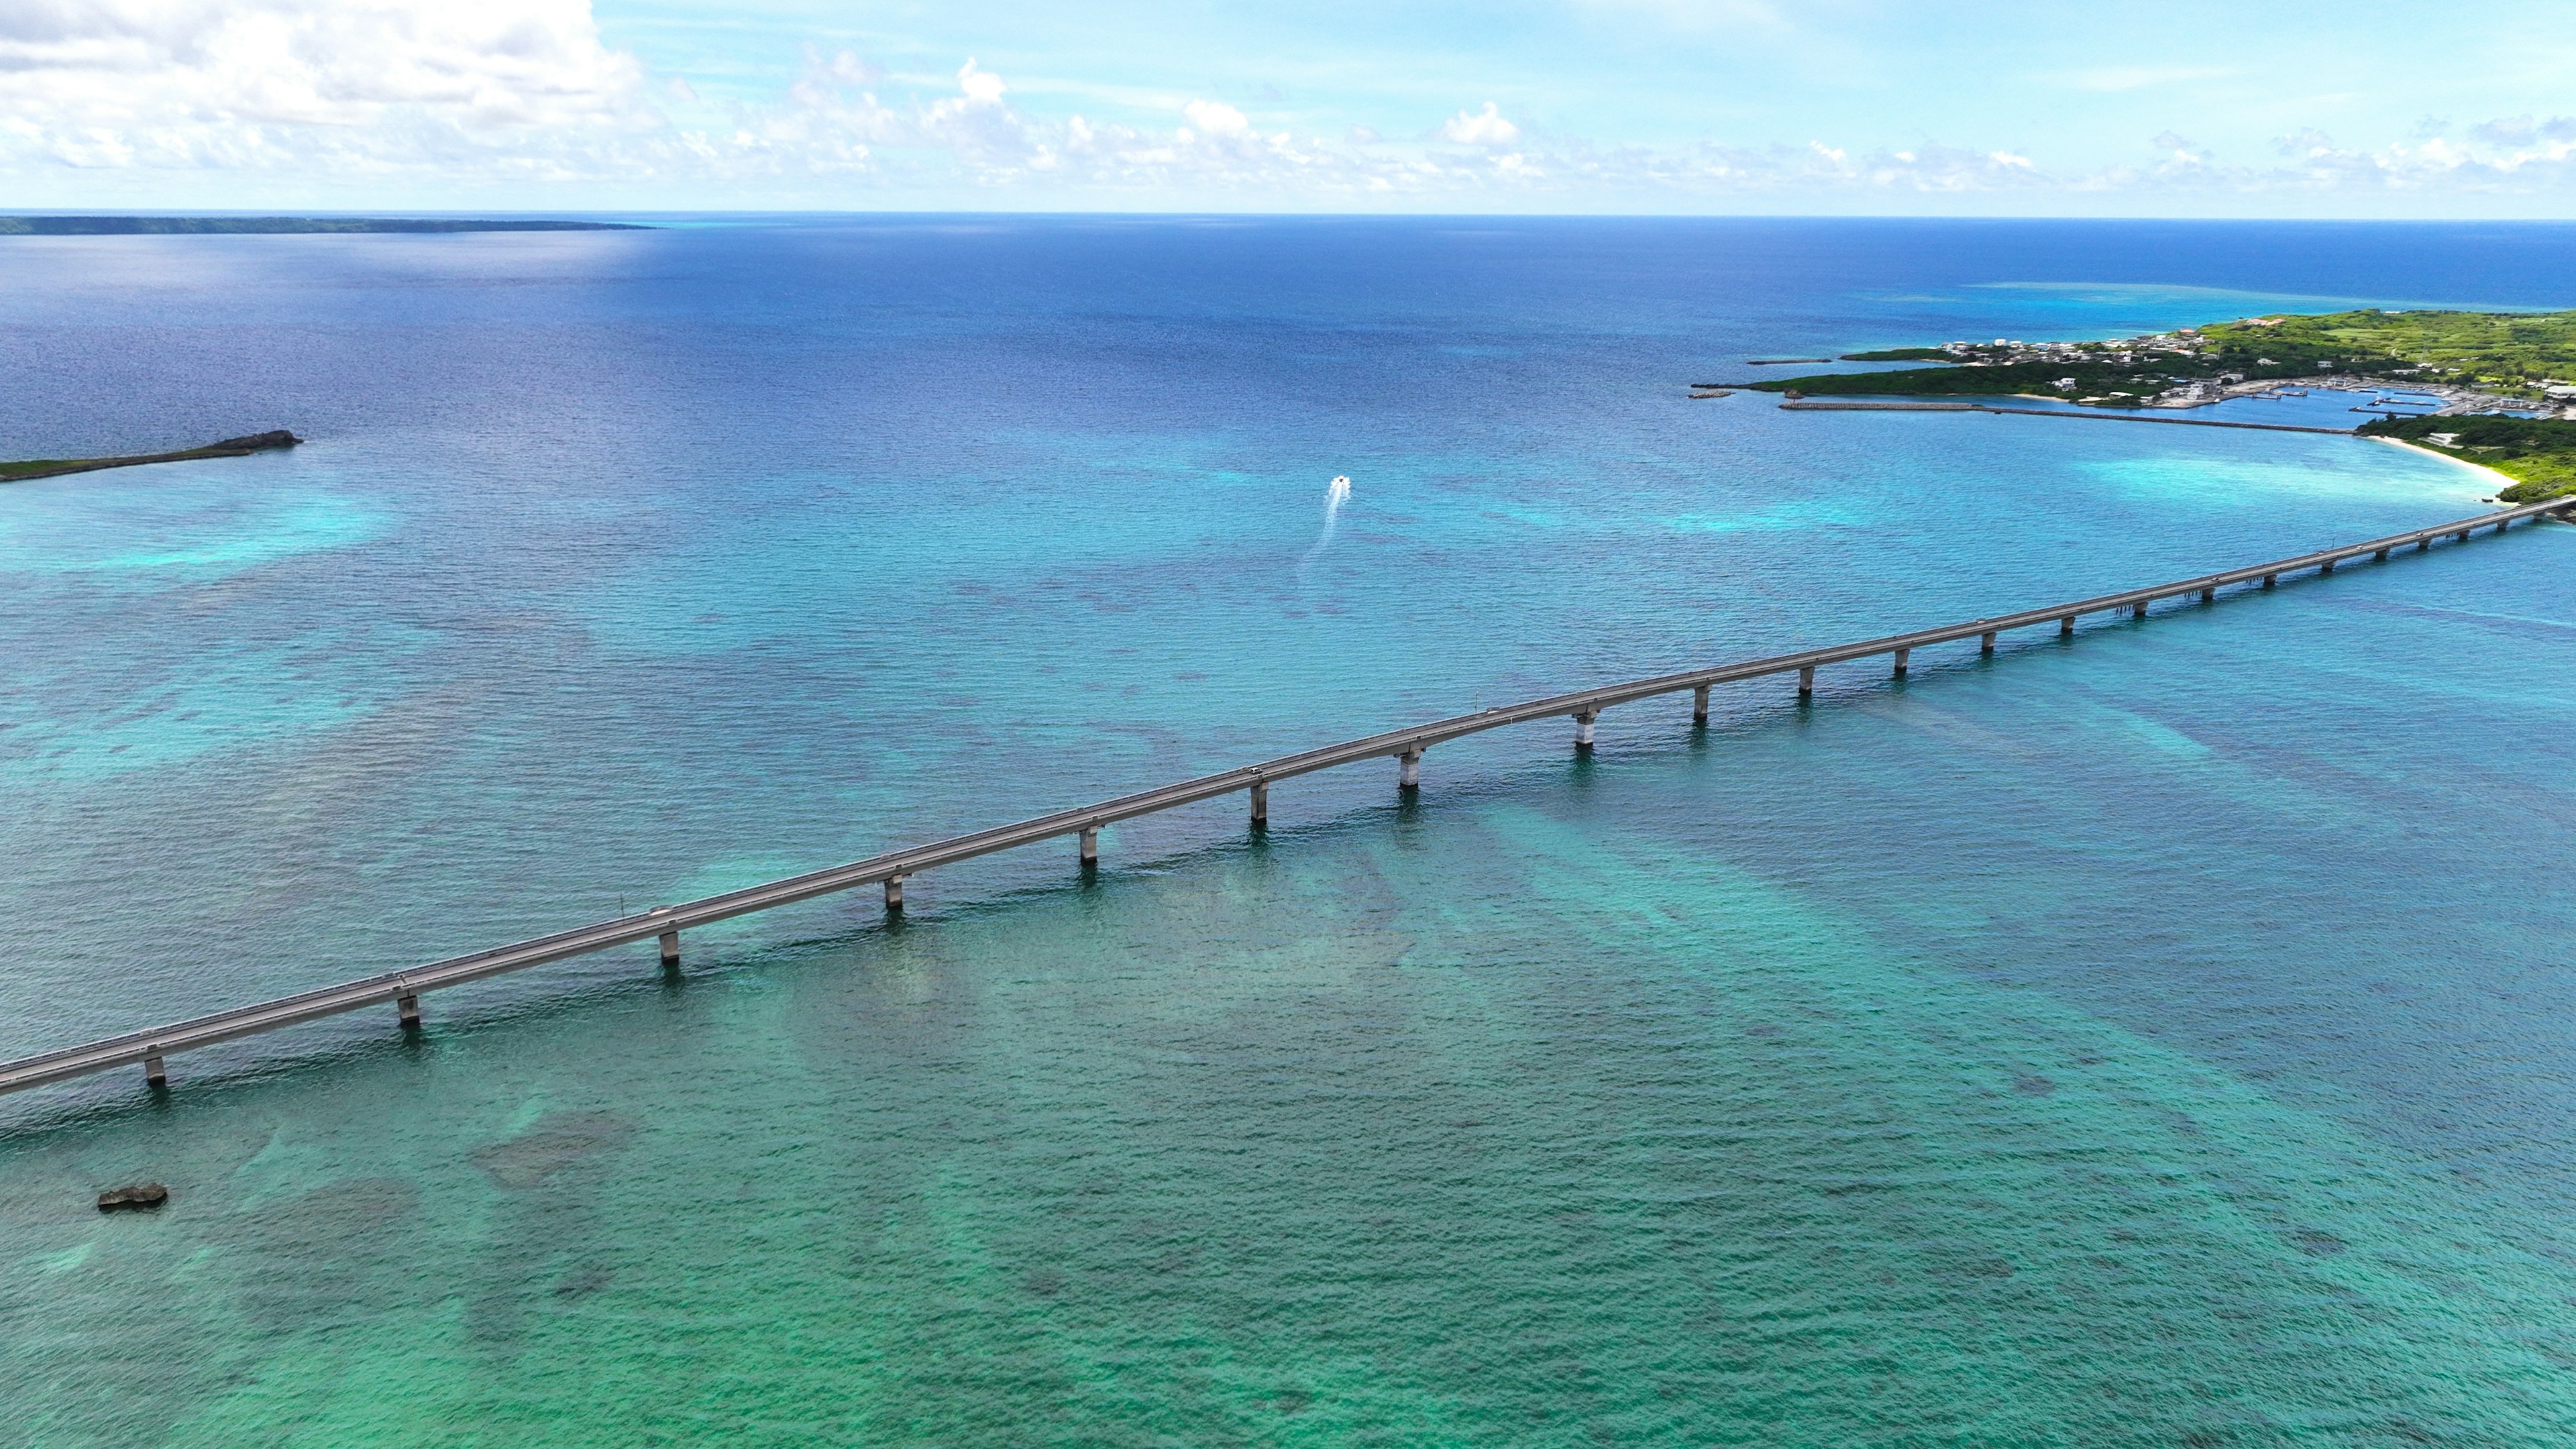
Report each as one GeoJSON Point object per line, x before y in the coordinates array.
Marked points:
{"type": "Point", "coordinates": [2158, 1038]}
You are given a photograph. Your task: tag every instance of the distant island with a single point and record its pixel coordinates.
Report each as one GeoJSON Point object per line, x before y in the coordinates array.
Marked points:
{"type": "Point", "coordinates": [2479, 366]}
{"type": "Point", "coordinates": [273, 225]}
{"type": "Point", "coordinates": [241, 447]}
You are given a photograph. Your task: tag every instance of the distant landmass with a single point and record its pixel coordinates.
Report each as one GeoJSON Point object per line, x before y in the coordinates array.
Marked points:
{"type": "Point", "coordinates": [2480, 368]}
{"type": "Point", "coordinates": [2502, 357]}
{"type": "Point", "coordinates": [272, 225]}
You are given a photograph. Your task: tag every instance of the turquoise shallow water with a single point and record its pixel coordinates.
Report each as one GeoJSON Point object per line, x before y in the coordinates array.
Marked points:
{"type": "Point", "coordinates": [2155, 1039]}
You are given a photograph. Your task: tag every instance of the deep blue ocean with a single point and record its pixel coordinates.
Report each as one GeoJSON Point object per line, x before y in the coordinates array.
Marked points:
{"type": "Point", "coordinates": [2162, 1037]}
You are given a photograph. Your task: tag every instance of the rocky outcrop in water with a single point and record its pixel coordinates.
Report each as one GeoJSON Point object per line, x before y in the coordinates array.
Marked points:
{"type": "Point", "coordinates": [255, 443]}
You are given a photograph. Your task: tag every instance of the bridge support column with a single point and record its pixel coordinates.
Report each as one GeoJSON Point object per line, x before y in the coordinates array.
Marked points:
{"type": "Point", "coordinates": [2066, 627]}
{"type": "Point", "coordinates": [2138, 610]}
{"type": "Point", "coordinates": [154, 1073]}
{"type": "Point", "coordinates": [1260, 804]}
{"type": "Point", "coordinates": [670, 950]}
{"type": "Point", "coordinates": [894, 894]}
{"type": "Point", "coordinates": [1986, 642]}
{"type": "Point", "coordinates": [2209, 594]}
{"type": "Point", "coordinates": [2270, 580]}
{"type": "Point", "coordinates": [1901, 655]}
{"type": "Point", "coordinates": [1699, 705]}
{"type": "Point", "coordinates": [2325, 568]}
{"type": "Point", "coordinates": [2424, 543]}
{"type": "Point", "coordinates": [2462, 535]}
{"type": "Point", "coordinates": [1090, 847]}
{"type": "Point", "coordinates": [1408, 770]}
{"type": "Point", "coordinates": [1806, 681]}
{"type": "Point", "coordinates": [1583, 729]}
{"type": "Point", "coordinates": [408, 1007]}
{"type": "Point", "coordinates": [2502, 524]}
{"type": "Point", "coordinates": [2380, 557]}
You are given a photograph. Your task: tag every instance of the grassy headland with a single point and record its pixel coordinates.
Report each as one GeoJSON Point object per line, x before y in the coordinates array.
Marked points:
{"type": "Point", "coordinates": [2538, 452]}
{"type": "Point", "coordinates": [229, 448]}
{"type": "Point", "coordinates": [2514, 355]}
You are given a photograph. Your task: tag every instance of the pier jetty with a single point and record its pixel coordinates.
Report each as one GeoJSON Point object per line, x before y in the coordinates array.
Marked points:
{"type": "Point", "coordinates": [666, 925]}
{"type": "Point", "coordinates": [1837, 405]}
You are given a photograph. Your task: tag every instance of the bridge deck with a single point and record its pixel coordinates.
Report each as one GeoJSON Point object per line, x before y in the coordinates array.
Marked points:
{"type": "Point", "coordinates": [406, 985]}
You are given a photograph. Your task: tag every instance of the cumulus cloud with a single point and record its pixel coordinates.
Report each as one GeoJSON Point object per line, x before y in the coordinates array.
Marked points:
{"type": "Point", "coordinates": [235, 82]}
{"type": "Point", "coordinates": [1216, 119]}
{"type": "Point", "coordinates": [502, 92]}
{"type": "Point", "coordinates": [1488, 129]}
{"type": "Point", "coordinates": [2523, 130]}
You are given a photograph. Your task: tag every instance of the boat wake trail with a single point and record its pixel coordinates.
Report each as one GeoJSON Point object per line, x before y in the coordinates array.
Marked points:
{"type": "Point", "coordinates": [1334, 497]}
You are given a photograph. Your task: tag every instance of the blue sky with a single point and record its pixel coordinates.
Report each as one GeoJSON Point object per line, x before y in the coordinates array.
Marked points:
{"type": "Point", "coordinates": [2357, 109]}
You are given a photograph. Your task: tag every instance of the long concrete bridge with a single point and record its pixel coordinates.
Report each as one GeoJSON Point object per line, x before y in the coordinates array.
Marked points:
{"type": "Point", "coordinates": [403, 989]}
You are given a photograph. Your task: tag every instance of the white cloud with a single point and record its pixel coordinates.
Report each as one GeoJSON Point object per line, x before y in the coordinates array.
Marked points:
{"type": "Point", "coordinates": [981, 87]}
{"type": "Point", "coordinates": [1489, 129]}
{"type": "Point", "coordinates": [414, 96]}
{"type": "Point", "coordinates": [1215, 118]}
{"type": "Point", "coordinates": [241, 82]}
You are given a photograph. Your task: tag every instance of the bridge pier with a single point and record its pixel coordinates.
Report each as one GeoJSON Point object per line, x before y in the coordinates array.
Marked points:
{"type": "Point", "coordinates": [2325, 568]}
{"type": "Point", "coordinates": [2380, 557]}
{"type": "Point", "coordinates": [1408, 769]}
{"type": "Point", "coordinates": [1986, 642]}
{"type": "Point", "coordinates": [1900, 662]}
{"type": "Point", "coordinates": [2138, 610]}
{"type": "Point", "coordinates": [661, 923]}
{"type": "Point", "coordinates": [2209, 593]}
{"type": "Point", "coordinates": [1699, 705]}
{"type": "Point", "coordinates": [1090, 847]}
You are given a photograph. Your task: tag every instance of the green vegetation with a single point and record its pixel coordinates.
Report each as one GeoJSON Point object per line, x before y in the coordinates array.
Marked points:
{"type": "Point", "coordinates": [2538, 452]}
{"type": "Point", "coordinates": [2513, 351]}
{"type": "Point", "coordinates": [2116, 385]}
{"type": "Point", "coordinates": [270, 225]}
{"type": "Point", "coordinates": [241, 447]}
{"type": "Point", "coordinates": [2512, 355]}
{"type": "Point", "coordinates": [41, 467]}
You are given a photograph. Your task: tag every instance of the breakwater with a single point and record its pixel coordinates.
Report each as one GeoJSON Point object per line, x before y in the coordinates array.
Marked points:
{"type": "Point", "coordinates": [1806, 405]}
{"type": "Point", "coordinates": [665, 925]}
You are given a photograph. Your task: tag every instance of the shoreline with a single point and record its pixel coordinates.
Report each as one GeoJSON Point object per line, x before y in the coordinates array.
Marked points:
{"type": "Point", "coordinates": [2503, 481]}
